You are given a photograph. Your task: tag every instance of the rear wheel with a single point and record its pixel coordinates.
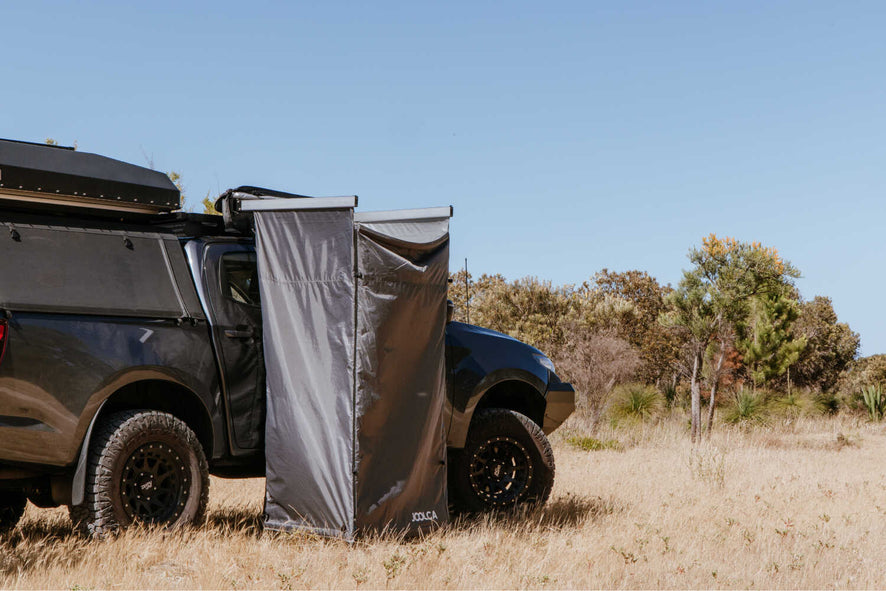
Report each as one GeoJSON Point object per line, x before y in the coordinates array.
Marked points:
{"type": "Point", "coordinates": [507, 461]}
{"type": "Point", "coordinates": [144, 467]}
{"type": "Point", "coordinates": [12, 507]}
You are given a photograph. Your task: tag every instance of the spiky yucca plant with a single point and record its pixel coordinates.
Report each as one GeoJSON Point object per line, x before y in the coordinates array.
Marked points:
{"type": "Point", "coordinates": [670, 395]}
{"type": "Point", "coordinates": [747, 408]}
{"type": "Point", "coordinates": [792, 405]}
{"type": "Point", "coordinates": [874, 402]}
{"type": "Point", "coordinates": [636, 402]}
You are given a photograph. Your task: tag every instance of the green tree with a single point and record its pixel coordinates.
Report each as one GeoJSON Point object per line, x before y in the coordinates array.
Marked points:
{"type": "Point", "coordinates": [597, 311]}
{"type": "Point", "coordinates": [658, 347]}
{"type": "Point", "coordinates": [539, 313]}
{"type": "Point", "coordinates": [693, 316]}
{"type": "Point", "coordinates": [768, 345]}
{"type": "Point", "coordinates": [713, 299]}
{"type": "Point", "coordinates": [527, 309]}
{"type": "Point", "coordinates": [578, 328]}
{"type": "Point", "coordinates": [831, 346]}
{"type": "Point", "coordinates": [465, 292]}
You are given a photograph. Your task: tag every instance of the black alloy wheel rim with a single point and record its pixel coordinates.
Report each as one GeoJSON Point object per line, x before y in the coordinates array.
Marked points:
{"type": "Point", "coordinates": [154, 486]}
{"type": "Point", "coordinates": [501, 471]}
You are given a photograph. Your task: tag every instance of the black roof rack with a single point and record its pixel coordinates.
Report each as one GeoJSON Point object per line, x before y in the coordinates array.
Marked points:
{"type": "Point", "coordinates": [35, 175]}
{"type": "Point", "coordinates": [56, 146]}
{"type": "Point", "coordinates": [227, 204]}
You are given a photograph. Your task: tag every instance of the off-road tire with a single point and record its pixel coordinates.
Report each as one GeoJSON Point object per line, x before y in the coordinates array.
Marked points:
{"type": "Point", "coordinates": [12, 507]}
{"type": "Point", "coordinates": [144, 466]}
{"type": "Point", "coordinates": [506, 462]}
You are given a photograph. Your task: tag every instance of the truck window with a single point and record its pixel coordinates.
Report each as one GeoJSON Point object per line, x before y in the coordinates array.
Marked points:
{"type": "Point", "coordinates": [239, 278]}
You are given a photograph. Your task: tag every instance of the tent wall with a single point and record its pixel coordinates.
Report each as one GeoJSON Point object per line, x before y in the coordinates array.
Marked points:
{"type": "Point", "coordinates": [355, 371]}
{"type": "Point", "coordinates": [401, 317]}
{"type": "Point", "coordinates": [305, 262]}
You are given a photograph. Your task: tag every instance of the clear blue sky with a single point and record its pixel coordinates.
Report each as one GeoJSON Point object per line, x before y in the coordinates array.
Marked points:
{"type": "Point", "coordinates": [569, 136]}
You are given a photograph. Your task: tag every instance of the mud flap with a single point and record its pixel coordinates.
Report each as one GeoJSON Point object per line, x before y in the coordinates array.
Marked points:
{"type": "Point", "coordinates": [78, 485]}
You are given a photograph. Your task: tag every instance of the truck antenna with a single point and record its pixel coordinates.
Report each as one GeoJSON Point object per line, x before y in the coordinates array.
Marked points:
{"type": "Point", "coordinates": [467, 295]}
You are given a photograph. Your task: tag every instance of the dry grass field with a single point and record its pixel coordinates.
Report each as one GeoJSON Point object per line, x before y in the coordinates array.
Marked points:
{"type": "Point", "coordinates": [797, 506]}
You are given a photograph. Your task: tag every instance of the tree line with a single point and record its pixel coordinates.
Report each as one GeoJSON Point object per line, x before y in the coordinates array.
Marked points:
{"type": "Point", "coordinates": [735, 325]}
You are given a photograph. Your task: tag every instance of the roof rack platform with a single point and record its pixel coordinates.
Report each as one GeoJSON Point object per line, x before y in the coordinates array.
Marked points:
{"type": "Point", "coordinates": [36, 175]}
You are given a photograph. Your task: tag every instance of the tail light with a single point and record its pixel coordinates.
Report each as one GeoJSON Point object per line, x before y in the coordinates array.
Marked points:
{"type": "Point", "coordinates": [4, 332]}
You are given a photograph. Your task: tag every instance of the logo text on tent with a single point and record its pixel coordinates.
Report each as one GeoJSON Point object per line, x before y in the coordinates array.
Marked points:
{"type": "Point", "coordinates": [424, 516]}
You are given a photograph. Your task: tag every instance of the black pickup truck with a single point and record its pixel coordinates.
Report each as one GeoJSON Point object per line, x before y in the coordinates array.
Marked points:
{"type": "Point", "coordinates": [131, 357]}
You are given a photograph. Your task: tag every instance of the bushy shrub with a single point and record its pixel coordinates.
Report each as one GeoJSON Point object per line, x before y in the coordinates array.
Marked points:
{"type": "Point", "coordinates": [865, 372]}
{"type": "Point", "coordinates": [636, 402]}
{"type": "Point", "coordinates": [747, 408]}
{"type": "Point", "coordinates": [595, 363]}
{"type": "Point", "coordinates": [797, 403]}
{"type": "Point", "coordinates": [827, 403]}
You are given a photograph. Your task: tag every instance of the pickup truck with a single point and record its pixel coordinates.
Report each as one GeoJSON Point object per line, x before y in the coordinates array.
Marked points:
{"type": "Point", "coordinates": [131, 369]}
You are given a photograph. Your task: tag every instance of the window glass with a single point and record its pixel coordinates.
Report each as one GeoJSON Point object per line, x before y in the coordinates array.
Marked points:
{"type": "Point", "coordinates": [240, 277]}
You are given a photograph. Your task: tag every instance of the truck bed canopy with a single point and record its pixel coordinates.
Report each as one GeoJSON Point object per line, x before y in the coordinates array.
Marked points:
{"type": "Point", "coordinates": [77, 270]}
{"type": "Point", "coordinates": [32, 175]}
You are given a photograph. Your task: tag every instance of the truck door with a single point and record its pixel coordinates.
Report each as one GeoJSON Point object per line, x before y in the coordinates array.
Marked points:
{"type": "Point", "coordinates": [231, 284]}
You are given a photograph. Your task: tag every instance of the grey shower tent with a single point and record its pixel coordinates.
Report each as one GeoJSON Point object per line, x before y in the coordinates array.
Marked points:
{"type": "Point", "coordinates": [354, 319]}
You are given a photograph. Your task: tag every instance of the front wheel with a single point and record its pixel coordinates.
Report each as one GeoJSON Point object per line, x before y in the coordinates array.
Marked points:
{"type": "Point", "coordinates": [144, 467]}
{"type": "Point", "coordinates": [507, 461]}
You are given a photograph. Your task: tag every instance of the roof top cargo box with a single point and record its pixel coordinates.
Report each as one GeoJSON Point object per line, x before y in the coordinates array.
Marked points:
{"type": "Point", "coordinates": [33, 176]}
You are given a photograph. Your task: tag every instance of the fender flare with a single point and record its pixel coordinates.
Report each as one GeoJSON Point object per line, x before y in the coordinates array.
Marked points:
{"type": "Point", "coordinates": [460, 420]}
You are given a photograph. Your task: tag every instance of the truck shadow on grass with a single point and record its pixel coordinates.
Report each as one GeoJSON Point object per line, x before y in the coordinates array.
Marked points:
{"type": "Point", "coordinates": [52, 530]}
{"type": "Point", "coordinates": [235, 520]}
{"type": "Point", "coordinates": [562, 513]}
{"type": "Point", "coordinates": [52, 542]}
{"type": "Point", "coordinates": [40, 544]}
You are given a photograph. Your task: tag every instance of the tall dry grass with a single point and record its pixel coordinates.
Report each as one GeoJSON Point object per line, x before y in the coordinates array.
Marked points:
{"type": "Point", "coordinates": [799, 505]}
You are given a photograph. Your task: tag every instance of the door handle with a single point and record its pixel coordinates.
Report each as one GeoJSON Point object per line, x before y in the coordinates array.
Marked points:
{"type": "Point", "coordinates": [240, 334]}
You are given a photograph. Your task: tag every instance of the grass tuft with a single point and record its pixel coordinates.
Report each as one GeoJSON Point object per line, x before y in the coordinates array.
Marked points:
{"type": "Point", "coordinates": [594, 444]}
{"type": "Point", "coordinates": [792, 405]}
{"type": "Point", "coordinates": [636, 403]}
{"type": "Point", "coordinates": [747, 408]}
{"type": "Point", "coordinates": [708, 464]}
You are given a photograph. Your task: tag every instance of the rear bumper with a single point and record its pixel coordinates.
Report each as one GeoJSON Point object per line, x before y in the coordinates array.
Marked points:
{"type": "Point", "coordinates": [560, 404]}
